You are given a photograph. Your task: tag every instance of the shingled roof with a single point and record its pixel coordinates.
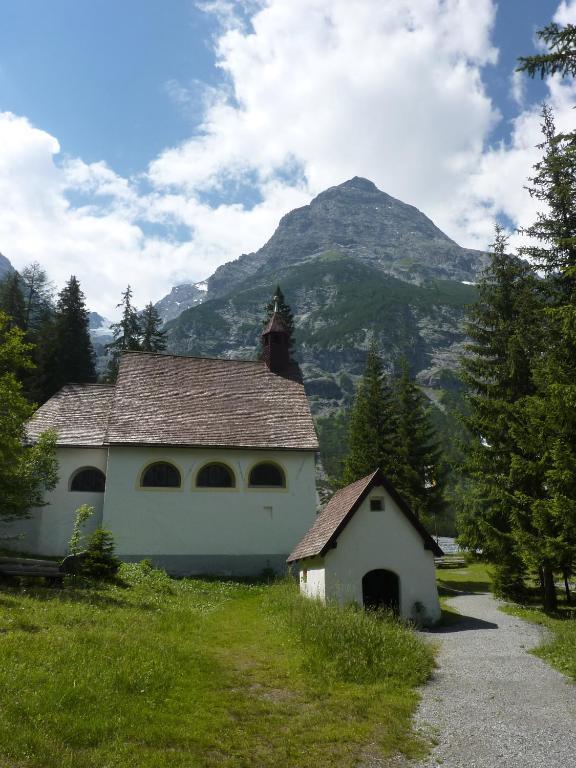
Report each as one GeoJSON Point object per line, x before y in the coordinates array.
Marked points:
{"type": "Point", "coordinates": [78, 412]}
{"type": "Point", "coordinates": [338, 512]}
{"type": "Point", "coordinates": [183, 401]}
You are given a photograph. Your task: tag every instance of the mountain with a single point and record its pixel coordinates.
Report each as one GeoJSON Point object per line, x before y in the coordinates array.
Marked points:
{"type": "Point", "coordinates": [355, 264]}
{"type": "Point", "coordinates": [181, 298]}
{"type": "Point", "coordinates": [5, 266]}
{"type": "Point", "coordinates": [100, 335]}
{"type": "Point", "coordinates": [355, 219]}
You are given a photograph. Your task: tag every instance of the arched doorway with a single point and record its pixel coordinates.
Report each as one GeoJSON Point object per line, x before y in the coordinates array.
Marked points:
{"type": "Point", "coordinates": [381, 589]}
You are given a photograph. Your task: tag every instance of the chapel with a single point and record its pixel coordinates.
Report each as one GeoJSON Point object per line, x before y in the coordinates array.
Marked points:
{"type": "Point", "coordinates": [201, 465]}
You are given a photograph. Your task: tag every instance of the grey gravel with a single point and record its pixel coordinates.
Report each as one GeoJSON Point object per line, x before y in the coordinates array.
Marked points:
{"type": "Point", "coordinates": [490, 702]}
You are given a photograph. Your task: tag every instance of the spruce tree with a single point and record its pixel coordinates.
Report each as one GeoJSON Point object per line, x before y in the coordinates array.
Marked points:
{"type": "Point", "coordinates": [153, 338]}
{"type": "Point", "coordinates": [12, 300]}
{"type": "Point", "coordinates": [546, 424]}
{"type": "Point", "coordinates": [373, 426]}
{"type": "Point", "coordinates": [561, 55]}
{"type": "Point", "coordinates": [503, 328]}
{"type": "Point", "coordinates": [72, 347]}
{"type": "Point", "coordinates": [127, 334]}
{"type": "Point", "coordinates": [418, 475]}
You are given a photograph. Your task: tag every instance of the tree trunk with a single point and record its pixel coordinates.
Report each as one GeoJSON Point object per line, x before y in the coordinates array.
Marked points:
{"type": "Point", "coordinates": [549, 593]}
{"type": "Point", "coordinates": [566, 574]}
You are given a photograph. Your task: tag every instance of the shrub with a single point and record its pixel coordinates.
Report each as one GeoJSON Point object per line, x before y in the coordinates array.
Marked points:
{"type": "Point", "coordinates": [83, 513]}
{"type": "Point", "coordinates": [145, 576]}
{"type": "Point", "coordinates": [99, 561]}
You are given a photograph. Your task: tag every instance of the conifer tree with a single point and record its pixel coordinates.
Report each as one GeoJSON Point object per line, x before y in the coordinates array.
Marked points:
{"type": "Point", "coordinates": [37, 291]}
{"type": "Point", "coordinates": [127, 334]}
{"type": "Point", "coordinates": [373, 426]}
{"type": "Point", "coordinates": [503, 327]}
{"type": "Point", "coordinates": [12, 300]}
{"type": "Point", "coordinates": [73, 354]}
{"type": "Point", "coordinates": [546, 423]}
{"type": "Point", "coordinates": [561, 55]}
{"type": "Point", "coordinates": [153, 338]}
{"type": "Point", "coordinates": [418, 476]}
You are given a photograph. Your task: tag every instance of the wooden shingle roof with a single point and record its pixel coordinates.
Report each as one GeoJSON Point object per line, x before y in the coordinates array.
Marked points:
{"type": "Point", "coordinates": [336, 514]}
{"type": "Point", "coordinates": [78, 412]}
{"type": "Point", "coordinates": [170, 400]}
{"type": "Point", "coordinates": [183, 401]}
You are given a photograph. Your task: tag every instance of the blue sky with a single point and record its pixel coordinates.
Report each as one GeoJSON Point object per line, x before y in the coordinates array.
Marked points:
{"type": "Point", "coordinates": [170, 137]}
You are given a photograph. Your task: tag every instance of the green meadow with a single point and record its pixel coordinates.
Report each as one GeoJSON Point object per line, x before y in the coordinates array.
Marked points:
{"type": "Point", "coordinates": [158, 672]}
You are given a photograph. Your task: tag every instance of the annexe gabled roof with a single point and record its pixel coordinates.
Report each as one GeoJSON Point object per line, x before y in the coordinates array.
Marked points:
{"type": "Point", "coordinates": [182, 401]}
{"type": "Point", "coordinates": [338, 512]}
{"type": "Point", "coordinates": [78, 412]}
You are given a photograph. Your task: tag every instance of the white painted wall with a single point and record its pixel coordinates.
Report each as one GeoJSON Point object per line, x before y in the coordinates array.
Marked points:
{"type": "Point", "coordinates": [48, 530]}
{"type": "Point", "coordinates": [372, 540]}
{"type": "Point", "coordinates": [312, 582]}
{"type": "Point", "coordinates": [206, 521]}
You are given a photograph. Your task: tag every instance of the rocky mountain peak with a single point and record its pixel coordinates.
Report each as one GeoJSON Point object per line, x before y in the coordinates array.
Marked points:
{"type": "Point", "coordinates": [181, 298]}
{"type": "Point", "coordinates": [359, 220]}
{"type": "Point", "coordinates": [5, 266]}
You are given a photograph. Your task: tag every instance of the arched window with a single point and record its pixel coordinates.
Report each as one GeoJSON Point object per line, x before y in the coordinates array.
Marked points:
{"type": "Point", "coordinates": [89, 480]}
{"type": "Point", "coordinates": [267, 475]}
{"type": "Point", "coordinates": [161, 475]}
{"type": "Point", "coordinates": [215, 476]}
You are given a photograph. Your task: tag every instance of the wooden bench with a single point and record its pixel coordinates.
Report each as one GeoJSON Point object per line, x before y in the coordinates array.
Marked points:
{"type": "Point", "coordinates": [450, 561]}
{"type": "Point", "coordinates": [52, 571]}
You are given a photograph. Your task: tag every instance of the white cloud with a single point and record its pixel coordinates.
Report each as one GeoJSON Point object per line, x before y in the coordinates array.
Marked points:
{"type": "Point", "coordinates": [313, 93]}
{"type": "Point", "coordinates": [566, 13]}
{"type": "Point", "coordinates": [103, 241]}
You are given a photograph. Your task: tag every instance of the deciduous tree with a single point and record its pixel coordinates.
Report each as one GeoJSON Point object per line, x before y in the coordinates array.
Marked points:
{"type": "Point", "coordinates": [26, 472]}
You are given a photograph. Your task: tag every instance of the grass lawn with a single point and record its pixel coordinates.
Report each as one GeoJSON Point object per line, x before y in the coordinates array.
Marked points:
{"type": "Point", "coordinates": [560, 649]}
{"type": "Point", "coordinates": [474, 577]}
{"type": "Point", "coordinates": [200, 673]}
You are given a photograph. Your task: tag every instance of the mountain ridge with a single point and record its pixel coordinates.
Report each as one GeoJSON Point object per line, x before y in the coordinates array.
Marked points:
{"type": "Point", "coordinates": [358, 218]}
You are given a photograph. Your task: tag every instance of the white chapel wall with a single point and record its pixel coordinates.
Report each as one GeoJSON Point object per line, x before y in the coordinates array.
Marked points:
{"type": "Point", "coordinates": [201, 530]}
{"type": "Point", "coordinates": [47, 531]}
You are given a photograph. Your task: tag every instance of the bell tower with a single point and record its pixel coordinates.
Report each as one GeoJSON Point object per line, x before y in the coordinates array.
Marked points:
{"type": "Point", "coordinates": [275, 343]}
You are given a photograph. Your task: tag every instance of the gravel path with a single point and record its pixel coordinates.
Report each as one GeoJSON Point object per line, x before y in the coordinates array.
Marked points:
{"type": "Point", "coordinates": [491, 704]}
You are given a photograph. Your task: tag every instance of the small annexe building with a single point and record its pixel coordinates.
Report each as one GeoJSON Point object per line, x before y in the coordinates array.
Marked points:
{"type": "Point", "coordinates": [368, 547]}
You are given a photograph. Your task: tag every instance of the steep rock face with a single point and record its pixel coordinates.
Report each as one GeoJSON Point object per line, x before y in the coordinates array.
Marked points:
{"type": "Point", "coordinates": [358, 220]}
{"type": "Point", "coordinates": [340, 305]}
{"type": "Point", "coordinates": [5, 266]}
{"type": "Point", "coordinates": [181, 298]}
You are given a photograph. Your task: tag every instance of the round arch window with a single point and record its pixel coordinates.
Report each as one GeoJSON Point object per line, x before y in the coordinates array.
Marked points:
{"type": "Point", "coordinates": [215, 476]}
{"type": "Point", "coordinates": [161, 475]}
{"type": "Point", "coordinates": [267, 475]}
{"type": "Point", "coordinates": [89, 480]}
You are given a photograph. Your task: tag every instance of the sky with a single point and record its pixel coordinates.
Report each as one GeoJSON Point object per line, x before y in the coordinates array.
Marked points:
{"type": "Point", "coordinates": [147, 143]}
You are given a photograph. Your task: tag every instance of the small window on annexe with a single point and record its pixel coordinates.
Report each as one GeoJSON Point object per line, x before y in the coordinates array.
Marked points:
{"type": "Point", "coordinates": [161, 475]}
{"type": "Point", "coordinates": [215, 476]}
{"type": "Point", "coordinates": [267, 476]}
{"type": "Point", "coordinates": [89, 480]}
